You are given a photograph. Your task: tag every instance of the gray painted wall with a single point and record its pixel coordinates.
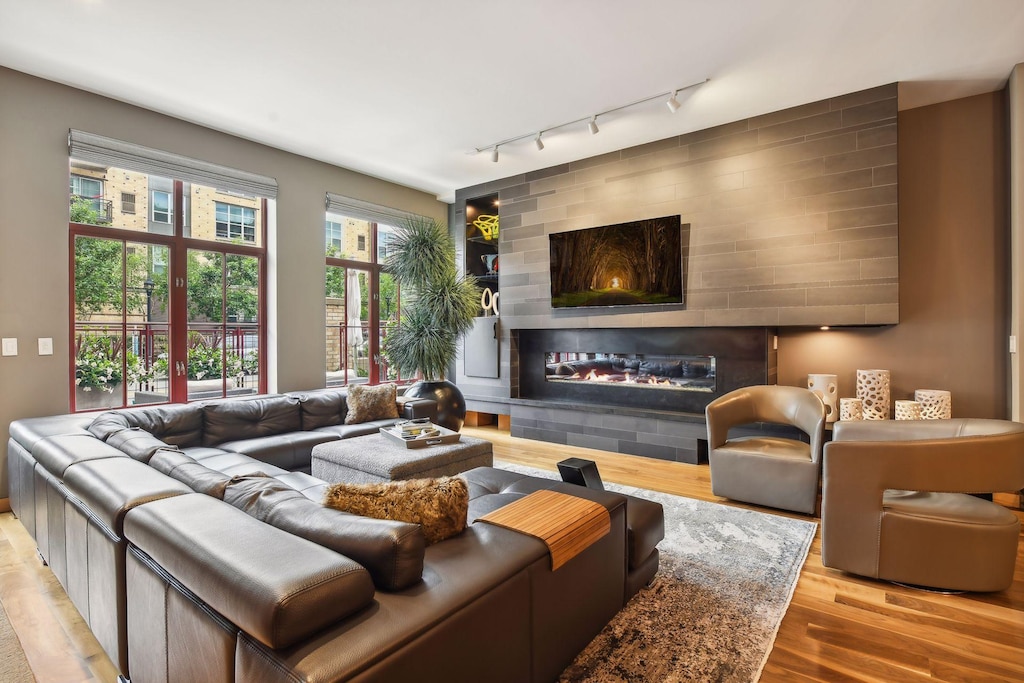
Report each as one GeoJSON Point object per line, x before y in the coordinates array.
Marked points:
{"type": "Point", "coordinates": [35, 116]}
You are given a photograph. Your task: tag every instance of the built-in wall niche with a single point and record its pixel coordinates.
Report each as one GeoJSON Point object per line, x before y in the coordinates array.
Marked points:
{"type": "Point", "coordinates": [482, 253]}
{"type": "Point", "coordinates": [481, 353]}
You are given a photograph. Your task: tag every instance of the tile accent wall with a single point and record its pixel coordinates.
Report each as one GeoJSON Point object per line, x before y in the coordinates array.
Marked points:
{"type": "Point", "coordinates": [793, 221]}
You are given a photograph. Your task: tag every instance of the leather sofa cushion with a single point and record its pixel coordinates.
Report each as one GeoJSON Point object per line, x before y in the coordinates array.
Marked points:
{"type": "Point", "coordinates": [277, 587]}
{"type": "Point", "coordinates": [237, 464]}
{"type": "Point", "coordinates": [31, 429]}
{"type": "Point", "coordinates": [322, 408]}
{"type": "Point", "coordinates": [178, 424]}
{"type": "Point", "coordinates": [290, 451]}
{"type": "Point", "coordinates": [107, 424]}
{"type": "Point", "coordinates": [185, 469]}
{"type": "Point", "coordinates": [57, 453]}
{"type": "Point", "coordinates": [391, 551]}
{"type": "Point", "coordinates": [110, 487]}
{"type": "Point", "coordinates": [232, 420]}
{"type": "Point", "coordinates": [344, 431]}
{"type": "Point", "coordinates": [136, 443]}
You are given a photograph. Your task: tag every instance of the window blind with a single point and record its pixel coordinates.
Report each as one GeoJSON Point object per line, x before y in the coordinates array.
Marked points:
{"type": "Point", "coordinates": [105, 151]}
{"type": "Point", "coordinates": [366, 211]}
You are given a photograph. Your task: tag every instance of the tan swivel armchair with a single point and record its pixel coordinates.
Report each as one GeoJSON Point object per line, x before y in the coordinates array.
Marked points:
{"type": "Point", "coordinates": [766, 470]}
{"type": "Point", "coordinates": [894, 503]}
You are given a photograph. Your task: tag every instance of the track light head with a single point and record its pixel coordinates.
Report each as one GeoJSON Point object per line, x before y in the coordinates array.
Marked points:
{"type": "Point", "coordinates": [494, 154]}
{"type": "Point", "coordinates": [538, 142]}
{"type": "Point", "coordinates": [594, 130]}
{"type": "Point", "coordinates": [672, 103]}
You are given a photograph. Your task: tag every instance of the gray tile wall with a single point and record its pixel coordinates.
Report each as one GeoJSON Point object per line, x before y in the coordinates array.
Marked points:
{"type": "Point", "coordinates": [793, 221]}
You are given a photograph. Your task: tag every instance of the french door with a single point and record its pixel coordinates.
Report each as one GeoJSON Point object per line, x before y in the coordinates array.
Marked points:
{"type": "Point", "coordinates": [168, 314]}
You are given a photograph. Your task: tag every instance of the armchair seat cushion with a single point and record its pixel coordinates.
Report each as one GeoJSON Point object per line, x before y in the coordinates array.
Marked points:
{"type": "Point", "coordinates": [769, 446]}
{"type": "Point", "coordinates": [953, 508]}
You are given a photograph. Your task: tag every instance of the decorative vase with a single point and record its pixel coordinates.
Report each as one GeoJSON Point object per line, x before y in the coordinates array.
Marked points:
{"type": "Point", "coordinates": [851, 409]}
{"type": "Point", "coordinates": [936, 404]}
{"type": "Point", "coordinates": [451, 404]}
{"type": "Point", "coordinates": [873, 389]}
{"type": "Point", "coordinates": [908, 410]}
{"type": "Point", "coordinates": [827, 389]}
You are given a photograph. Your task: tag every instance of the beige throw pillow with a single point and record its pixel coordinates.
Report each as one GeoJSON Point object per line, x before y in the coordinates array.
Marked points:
{"type": "Point", "coordinates": [438, 505]}
{"type": "Point", "coordinates": [366, 403]}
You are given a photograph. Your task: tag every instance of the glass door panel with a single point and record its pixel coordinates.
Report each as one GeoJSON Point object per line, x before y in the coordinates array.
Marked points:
{"type": "Point", "coordinates": [205, 342]}
{"type": "Point", "coordinates": [242, 329]}
{"type": "Point", "coordinates": [147, 324]}
{"type": "Point", "coordinates": [390, 311]}
{"type": "Point", "coordinates": [99, 333]}
{"type": "Point", "coordinates": [223, 306]}
{"type": "Point", "coordinates": [121, 328]}
{"type": "Point", "coordinates": [348, 325]}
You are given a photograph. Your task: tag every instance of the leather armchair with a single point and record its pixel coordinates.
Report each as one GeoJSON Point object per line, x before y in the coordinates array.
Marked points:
{"type": "Point", "coordinates": [766, 470]}
{"type": "Point", "coordinates": [894, 503]}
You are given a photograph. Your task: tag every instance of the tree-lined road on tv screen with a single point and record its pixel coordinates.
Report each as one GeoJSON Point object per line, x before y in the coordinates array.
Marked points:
{"type": "Point", "coordinates": [627, 264]}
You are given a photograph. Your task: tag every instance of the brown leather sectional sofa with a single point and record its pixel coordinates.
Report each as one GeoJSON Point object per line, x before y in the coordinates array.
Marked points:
{"type": "Point", "coordinates": [192, 540]}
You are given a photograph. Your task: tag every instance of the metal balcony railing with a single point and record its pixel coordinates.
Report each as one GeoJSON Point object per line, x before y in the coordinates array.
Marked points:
{"type": "Point", "coordinates": [104, 208]}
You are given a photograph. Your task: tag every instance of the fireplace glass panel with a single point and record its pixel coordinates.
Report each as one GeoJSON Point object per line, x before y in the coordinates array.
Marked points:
{"type": "Point", "coordinates": [634, 370]}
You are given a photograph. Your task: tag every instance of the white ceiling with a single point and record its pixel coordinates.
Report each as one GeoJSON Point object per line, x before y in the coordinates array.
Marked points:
{"type": "Point", "coordinates": [402, 89]}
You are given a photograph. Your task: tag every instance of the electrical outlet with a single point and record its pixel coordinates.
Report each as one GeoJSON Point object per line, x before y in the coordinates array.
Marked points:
{"type": "Point", "coordinates": [46, 346]}
{"type": "Point", "coordinates": [9, 346]}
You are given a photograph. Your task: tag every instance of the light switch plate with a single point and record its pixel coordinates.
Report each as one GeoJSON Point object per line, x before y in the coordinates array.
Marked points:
{"type": "Point", "coordinates": [46, 346]}
{"type": "Point", "coordinates": [9, 346]}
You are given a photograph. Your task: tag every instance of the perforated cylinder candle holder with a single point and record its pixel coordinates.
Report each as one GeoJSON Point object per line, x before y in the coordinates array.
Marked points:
{"type": "Point", "coordinates": [873, 389]}
{"type": "Point", "coordinates": [827, 389]}
{"type": "Point", "coordinates": [908, 410]}
{"type": "Point", "coordinates": [851, 409]}
{"type": "Point", "coordinates": [936, 404]}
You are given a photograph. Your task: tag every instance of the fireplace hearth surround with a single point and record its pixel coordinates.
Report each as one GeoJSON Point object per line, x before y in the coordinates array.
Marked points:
{"type": "Point", "coordinates": [632, 418]}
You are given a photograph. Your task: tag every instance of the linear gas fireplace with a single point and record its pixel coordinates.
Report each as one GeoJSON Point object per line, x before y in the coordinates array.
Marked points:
{"type": "Point", "coordinates": [632, 370]}
{"type": "Point", "coordinates": [677, 370]}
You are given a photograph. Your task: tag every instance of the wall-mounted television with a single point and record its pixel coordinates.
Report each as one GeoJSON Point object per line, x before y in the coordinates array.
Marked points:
{"type": "Point", "coordinates": [627, 264]}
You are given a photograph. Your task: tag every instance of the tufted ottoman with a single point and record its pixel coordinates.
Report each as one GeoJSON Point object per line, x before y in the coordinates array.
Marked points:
{"type": "Point", "coordinates": [375, 458]}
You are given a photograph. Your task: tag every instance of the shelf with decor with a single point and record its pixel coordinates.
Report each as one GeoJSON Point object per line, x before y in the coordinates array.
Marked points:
{"type": "Point", "coordinates": [482, 251]}
{"type": "Point", "coordinates": [483, 263]}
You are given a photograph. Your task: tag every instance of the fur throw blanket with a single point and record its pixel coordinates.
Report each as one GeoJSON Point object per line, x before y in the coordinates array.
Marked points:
{"type": "Point", "coordinates": [438, 505]}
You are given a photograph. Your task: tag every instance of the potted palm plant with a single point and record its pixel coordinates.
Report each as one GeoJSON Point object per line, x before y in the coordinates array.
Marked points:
{"type": "Point", "coordinates": [438, 307]}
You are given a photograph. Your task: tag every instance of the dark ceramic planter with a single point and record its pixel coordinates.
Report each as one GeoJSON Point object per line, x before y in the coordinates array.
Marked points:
{"type": "Point", "coordinates": [451, 404]}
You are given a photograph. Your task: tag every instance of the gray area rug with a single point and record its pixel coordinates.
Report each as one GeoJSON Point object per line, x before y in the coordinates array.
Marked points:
{"type": "Point", "coordinates": [13, 665]}
{"type": "Point", "coordinates": [726, 578]}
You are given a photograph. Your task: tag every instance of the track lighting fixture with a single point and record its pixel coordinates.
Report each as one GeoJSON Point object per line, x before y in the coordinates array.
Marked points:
{"type": "Point", "coordinates": [672, 103]}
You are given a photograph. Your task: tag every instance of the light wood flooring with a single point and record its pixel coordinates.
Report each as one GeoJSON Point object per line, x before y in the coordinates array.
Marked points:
{"type": "Point", "coordinates": [839, 628]}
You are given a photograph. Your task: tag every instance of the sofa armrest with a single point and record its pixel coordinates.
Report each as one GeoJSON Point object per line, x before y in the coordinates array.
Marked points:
{"type": "Point", "coordinates": [414, 408]}
{"type": "Point", "coordinates": [278, 588]}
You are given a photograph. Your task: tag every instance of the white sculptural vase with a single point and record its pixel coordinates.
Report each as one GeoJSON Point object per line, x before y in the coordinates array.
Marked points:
{"type": "Point", "coordinates": [873, 390]}
{"type": "Point", "coordinates": [851, 409]}
{"type": "Point", "coordinates": [936, 404]}
{"type": "Point", "coordinates": [827, 389]}
{"type": "Point", "coordinates": [908, 410]}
